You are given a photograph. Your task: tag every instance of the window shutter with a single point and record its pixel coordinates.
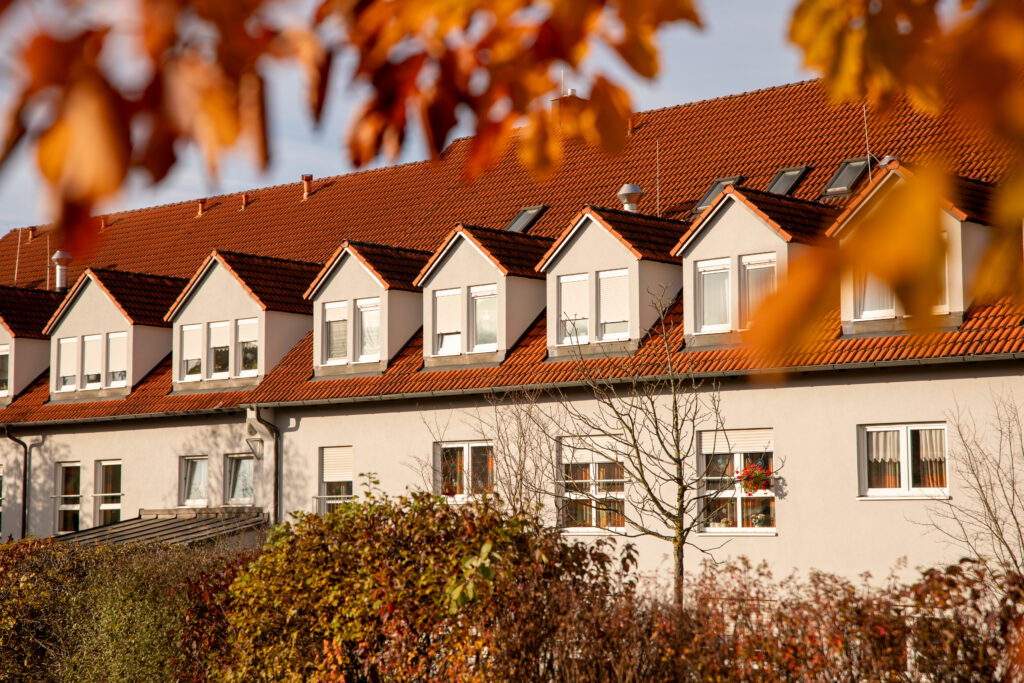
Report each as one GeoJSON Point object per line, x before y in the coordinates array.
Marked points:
{"type": "Point", "coordinates": [191, 344]}
{"type": "Point", "coordinates": [92, 361]}
{"type": "Point", "coordinates": [218, 335]}
{"type": "Point", "coordinates": [68, 361]}
{"type": "Point", "coordinates": [335, 311]}
{"type": "Point", "coordinates": [247, 330]}
{"type": "Point", "coordinates": [117, 352]}
{"type": "Point", "coordinates": [337, 463]}
{"type": "Point", "coordinates": [614, 298]}
{"type": "Point", "coordinates": [447, 311]}
{"type": "Point", "coordinates": [736, 441]}
{"type": "Point", "coordinates": [573, 299]}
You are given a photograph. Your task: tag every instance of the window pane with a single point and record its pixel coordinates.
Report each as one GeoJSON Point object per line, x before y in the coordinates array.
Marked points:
{"type": "Point", "coordinates": [785, 181]}
{"type": "Point", "coordinates": [847, 175]}
{"type": "Point", "coordinates": [577, 477]}
{"type": "Point", "coordinates": [195, 480]}
{"type": "Point", "coordinates": [874, 295]}
{"type": "Point", "coordinates": [369, 332]}
{"type": "Point", "coordinates": [250, 352]}
{"type": "Point", "coordinates": [720, 512]}
{"type": "Point", "coordinates": [451, 471]}
{"type": "Point", "coordinates": [67, 521]}
{"type": "Point", "coordinates": [758, 512]}
{"type": "Point", "coordinates": [482, 473]}
{"type": "Point", "coordinates": [5, 360]}
{"type": "Point", "coordinates": [720, 466]}
{"type": "Point", "coordinates": [109, 517]}
{"type": "Point", "coordinates": [110, 479]}
{"type": "Point", "coordinates": [220, 359]}
{"type": "Point", "coordinates": [760, 283]}
{"type": "Point", "coordinates": [883, 455]}
{"type": "Point", "coordinates": [338, 488]}
{"type": "Point", "coordinates": [241, 478]}
{"type": "Point", "coordinates": [449, 343]}
{"type": "Point", "coordinates": [70, 486]}
{"type": "Point", "coordinates": [610, 513]}
{"type": "Point", "coordinates": [193, 367]}
{"type": "Point", "coordinates": [764, 460]}
{"type": "Point", "coordinates": [486, 319]}
{"type": "Point", "coordinates": [715, 298]}
{"type": "Point", "coordinates": [337, 340]}
{"type": "Point", "coordinates": [928, 458]}
{"type": "Point", "coordinates": [575, 513]}
{"type": "Point", "coordinates": [610, 476]}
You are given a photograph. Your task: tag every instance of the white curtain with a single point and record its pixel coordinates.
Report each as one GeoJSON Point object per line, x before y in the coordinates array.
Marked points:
{"type": "Point", "coordinates": [883, 459]}
{"type": "Point", "coordinates": [929, 457]}
{"type": "Point", "coordinates": [195, 480]}
{"type": "Point", "coordinates": [369, 332]}
{"type": "Point", "coordinates": [760, 283]}
{"type": "Point", "coordinates": [715, 298]}
{"type": "Point", "coordinates": [873, 295]}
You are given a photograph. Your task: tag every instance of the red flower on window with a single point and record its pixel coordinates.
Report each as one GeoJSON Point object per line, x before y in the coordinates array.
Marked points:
{"type": "Point", "coordinates": [754, 478]}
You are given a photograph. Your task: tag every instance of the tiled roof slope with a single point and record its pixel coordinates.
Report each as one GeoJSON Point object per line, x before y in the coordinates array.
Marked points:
{"type": "Point", "coordinates": [277, 284]}
{"type": "Point", "coordinates": [805, 220]}
{"type": "Point", "coordinates": [512, 253]}
{"type": "Point", "coordinates": [144, 299]}
{"type": "Point", "coordinates": [647, 237]}
{"type": "Point", "coordinates": [415, 205]}
{"type": "Point", "coordinates": [25, 312]}
{"type": "Point", "coordinates": [397, 267]}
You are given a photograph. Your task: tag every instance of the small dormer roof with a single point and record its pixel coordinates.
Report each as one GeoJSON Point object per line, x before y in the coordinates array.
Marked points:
{"type": "Point", "coordinates": [141, 298]}
{"type": "Point", "coordinates": [392, 267]}
{"type": "Point", "coordinates": [275, 284]}
{"type": "Point", "coordinates": [795, 220]}
{"type": "Point", "coordinates": [24, 312]}
{"type": "Point", "coordinates": [513, 253]}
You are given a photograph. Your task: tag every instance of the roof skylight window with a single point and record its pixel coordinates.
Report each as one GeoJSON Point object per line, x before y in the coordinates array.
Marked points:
{"type": "Point", "coordinates": [847, 176]}
{"type": "Point", "coordinates": [786, 180]}
{"type": "Point", "coordinates": [716, 189]}
{"type": "Point", "coordinates": [525, 219]}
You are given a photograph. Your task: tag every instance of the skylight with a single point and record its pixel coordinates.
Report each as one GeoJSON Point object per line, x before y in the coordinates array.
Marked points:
{"type": "Point", "coordinates": [847, 176]}
{"type": "Point", "coordinates": [715, 189]}
{"type": "Point", "coordinates": [786, 180]}
{"type": "Point", "coordinates": [526, 218]}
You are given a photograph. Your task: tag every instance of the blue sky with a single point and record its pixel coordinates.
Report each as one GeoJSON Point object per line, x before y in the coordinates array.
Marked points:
{"type": "Point", "coordinates": [743, 47]}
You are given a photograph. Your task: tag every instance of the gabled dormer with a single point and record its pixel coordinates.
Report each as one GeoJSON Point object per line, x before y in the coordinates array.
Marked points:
{"type": "Point", "coordinates": [480, 293]}
{"type": "Point", "coordinates": [736, 252]}
{"type": "Point", "coordinates": [109, 332]}
{"type": "Point", "coordinates": [868, 303]}
{"type": "Point", "coordinates": [24, 347]}
{"type": "Point", "coordinates": [236, 318]}
{"type": "Point", "coordinates": [609, 277]}
{"type": "Point", "coordinates": [365, 307]}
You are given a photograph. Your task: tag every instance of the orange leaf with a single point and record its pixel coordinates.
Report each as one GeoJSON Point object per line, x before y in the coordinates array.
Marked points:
{"type": "Point", "coordinates": [540, 149]}
{"type": "Point", "coordinates": [605, 122]}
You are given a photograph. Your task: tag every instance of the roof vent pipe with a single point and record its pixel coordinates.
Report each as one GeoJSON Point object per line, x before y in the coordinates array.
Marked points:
{"type": "Point", "coordinates": [630, 195]}
{"type": "Point", "coordinates": [307, 180]}
{"type": "Point", "coordinates": [200, 207]}
{"type": "Point", "coordinates": [245, 200]}
{"type": "Point", "coordinates": [60, 261]}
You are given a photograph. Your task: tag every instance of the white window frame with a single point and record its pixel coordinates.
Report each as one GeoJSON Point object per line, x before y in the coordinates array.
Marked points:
{"type": "Point", "coordinates": [906, 489]}
{"type": "Point", "coordinates": [942, 307]}
{"type": "Point", "coordinates": [63, 505]}
{"type": "Point", "coordinates": [747, 264]}
{"type": "Point", "coordinates": [325, 351]}
{"type": "Point", "coordinates": [229, 462]}
{"type": "Point", "coordinates": [209, 349]}
{"type": "Point", "coordinates": [182, 377]}
{"type": "Point", "coordinates": [98, 340]}
{"type": "Point", "coordinates": [363, 306]}
{"type": "Point", "coordinates": [475, 294]}
{"type": "Point", "coordinates": [717, 265]}
{"type": "Point", "coordinates": [238, 348]}
{"type": "Point", "coordinates": [61, 344]}
{"type": "Point", "coordinates": [183, 482]}
{"type": "Point", "coordinates": [101, 505]}
{"type": "Point", "coordinates": [327, 502]}
{"type": "Point", "coordinates": [562, 329]}
{"type": "Point", "coordinates": [437, 345]}
{"type": "Point", "coordinates": [586, 455]}
{"type": "Point", "coordinates": [5, 350]}
{"type": "Point", "coordinates": [736, 493]}
{"type": "Point", "coordinates": [871, 314]}
{"type": "Point", "coordinates": [615, 336]}
{"type": "Point", "coordinates": [106, 357]}
{"type": "Point", "coordinates": [467, 470]}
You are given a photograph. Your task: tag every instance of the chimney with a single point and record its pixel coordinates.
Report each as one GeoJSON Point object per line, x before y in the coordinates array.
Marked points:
{"type": "Point", "coordinates": [103, 223]}
{"type": "Point", "coordinates": [245, 200]}
{"type": "Point", "coordinates": [31, 234]}
{"type": "Point", "coordinates": [307, 180]}
{"type": "Point", "coordinates": [570, 104]}
{"type": "Point", "coordinates": [60, 261]}
{"type": "Point", "coordinates": [630, 195]}
{"type": "Point", "coordinates": [200, 207]}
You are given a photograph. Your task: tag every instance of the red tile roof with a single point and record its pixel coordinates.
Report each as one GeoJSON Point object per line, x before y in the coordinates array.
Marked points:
{"type": "Point", "coordinates": [143, 299]}
{"type": "Point", "coordinates": [514, 253]}
{"type": "Point", "coordinates": [25, 312]}
{"type": "Point", "coordinates": [394, 268]}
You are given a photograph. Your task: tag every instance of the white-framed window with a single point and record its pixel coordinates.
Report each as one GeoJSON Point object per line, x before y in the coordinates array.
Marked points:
{"type": "Point", "coordinates": [464, 469]}
{"type": "Point", "coordinates": [337, 475]}
{"type": "Point", "coordinates": [727, 508]}
{"type": "Point", "coordinates": [194, 480]}
{"type": "Point", "coordinates": [447, 322]}
{"type": "Point", "coordinates": [5, 370]}
{"type": "Point", "coordinates": [573, 309]}
{"type": "Point", "coordinates": [873, 298]}
{"type": "Point", "coordinates": [368, 330]}
{"type": "Point", "coordinates": [335, 339]}
{"type": "Point", "coordinates": [903, 460]}
{"type": "Point", "coordinates": [613, 304]}
{"type": "Point", "coordinates": [219, 359]}
{"type": "Point", "coordinates": [713, 300]}
{"type": "Point", "coordinates": [593, 489]}
{"type": "Point", "coordinates": [247, 347]}
{"type": "Point", "coordinates": [92, 361]}
{"type": "Point", "coordinates": [108, 492]}
{"type": "Point", "coordinates": [240, 480]}
{"type": "Point", "coordinates": [191, 352]}
{"type": "Point", "coordinates": [758, 283]}
{"type": "Point", "coordinates": [117, 359]}
{"type": "Point", "coordinates": [67, 364]}
{"type": "Point", "coordinates": [69, 497]}
{"type": "Point", "coordinates": [483, 301]}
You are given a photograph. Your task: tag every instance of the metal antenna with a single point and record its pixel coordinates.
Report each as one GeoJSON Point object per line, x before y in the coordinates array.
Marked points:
{"type": "Point", "coordinates": [46, 260]}
{"type": "Point", "coordinates": [867, 143]}
{"type": "Point", "coordinates": [657, 173]}
{"type": "Point", "coordinates": [562, 92]}
{"type": "Point", "coordinates": [17, 258]}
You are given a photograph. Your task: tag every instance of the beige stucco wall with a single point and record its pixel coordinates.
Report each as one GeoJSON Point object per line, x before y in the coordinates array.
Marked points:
{"type": "Point", "coordinates": [29, 358]}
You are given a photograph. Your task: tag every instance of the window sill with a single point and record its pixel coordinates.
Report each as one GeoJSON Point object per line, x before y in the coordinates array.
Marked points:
{"type": "Point", "coordinates": [593, 531]}
{"type": "Point", "coordinates": [714, 330]}
{"type": "Point", "coordinates": [117, 385]}
{"type": "Point", "coordinates": [907, 496]}
{"type": "Point", "coordinates": [367, 359]}
{"type": "Point", "coordinates": [219, 375]}
{"type": "Point", "coordinates": [248, 373]}
{"type": "Point", "coordinates": [733, 531]}
{"type": "Point", "coordinates": [194, 504]}
{"type": "Point", "coordinates": [489, 348]}
{"type": "Point", "coordinates": [335, 361]}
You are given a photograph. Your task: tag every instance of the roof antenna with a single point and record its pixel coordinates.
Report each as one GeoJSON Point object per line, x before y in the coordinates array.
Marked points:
{"type": "Point", "coordinates": [867, 143]}
{"type": "Point", "coordinates": [657, 174]}
{"type": "Point", "coordinates": [17, 259]}
{"type": "Point", "coordinates": [47, 259]}
{"type": "Point", "coordinates": [562, 92]}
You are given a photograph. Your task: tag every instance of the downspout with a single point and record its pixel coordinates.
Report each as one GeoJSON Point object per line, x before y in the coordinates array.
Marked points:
{"type": "Point", "coordinates": [276, 434]}
{"type": "Point", "coordinates": [24, 477]}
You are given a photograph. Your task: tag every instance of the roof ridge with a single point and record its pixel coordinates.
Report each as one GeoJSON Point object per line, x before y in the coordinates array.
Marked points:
{"type": "Point", "coordinates": [636, 214]}
{"type": "Point", "coordinates": [233, 252]}
{"type": "Point", "coordinates": [503, 231]}
{"type": "Point", "coordinates": [134, 273]}
{"type": "Point", "coordinates": [790, 198]}
{"type": "Point", "coordinates": [731, 96]}
{"type": "Point", "coordinates": [365, 243]}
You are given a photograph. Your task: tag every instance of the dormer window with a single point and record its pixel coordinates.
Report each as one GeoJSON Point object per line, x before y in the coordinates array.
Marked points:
{"type": "Point", "coordinates": [5, 370]}
{"type": "Point", "coordinates": [369, 329]}
{"type": "Point", "coordinates": [613, 304]}
{"type": "Point", "coordinates": [336, 332]}
{"type": "Point", "coordinates": [758, 282]}
{"type": "Point", "coordinates": [573, 309]}
{"type": "Point", "coordinates": [191, 352]}
{"type": "Point", "coordinates": [716, 189]}
{"type": "Point", "coordinates": [484, 314]}
{"type": "Point", "coordinates": [117, 359]}
{"type": "Point", "coordinates": [846, 177]}
{"type": "Point", "coordinates": [67, 364]}
{"type": "Point", "coordinates": [874, 299]}
{"type": "Point", "coordinates": [447, 327]}
{"type": "Point", "coordinates": [786, 180]}
{"type": "Point", "coordinates": [713, 295]}
{"type": "Point", "coordinates": [248, 347]}
{"type": "Point", "coordinates": [220, 346]}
